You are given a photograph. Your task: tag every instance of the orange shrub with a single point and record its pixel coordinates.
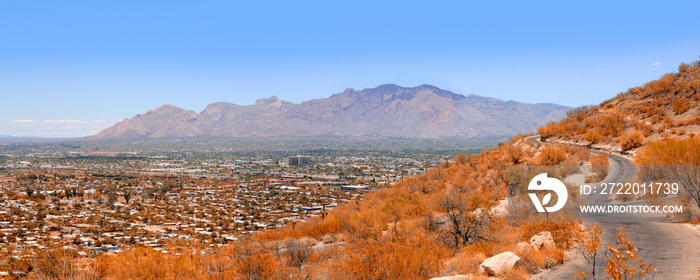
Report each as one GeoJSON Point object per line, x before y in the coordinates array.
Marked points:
{"type": "Point", "coordinates": [515, 273]}
{"type": "Point", "coordinates": [656, 119]}
{"type": "Point", "coordinates": [623, 262]}
{"type": "Point", "coordinates": [401, 254]}
{"type": "Point", "coordinates": [549, 130]}
{"type": "Point", "coordinates": [515, 154]}
{"type": "Point", "coordinates": [536, 260]}
{"type": "Point", "coordinates": [671, 152]}
{"type": "Point", "coordinates": [631, 141]}
{"type": "Point", "coordinates": [600, 166]}
{"type": "Point", "coordinates": [669, 121]}
{"type": "Point", "coordinates": [593, 136]}
{"type": "Point", "coordinates": [551, 155]}
{"type": "Point", "coordinates": [647, 129]}
{"type": "Point", "coordinates": [611, 124]}
{"type": "Point", "coordinates": [677, 152]}
{"type": "Point", "coordinates": [681, 105]}
{"type": "Point", "coordinates": [663, 85]}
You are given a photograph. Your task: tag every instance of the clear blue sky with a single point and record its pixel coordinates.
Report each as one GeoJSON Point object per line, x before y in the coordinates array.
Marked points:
{"type": "Point", "coordinates": [71, 68]}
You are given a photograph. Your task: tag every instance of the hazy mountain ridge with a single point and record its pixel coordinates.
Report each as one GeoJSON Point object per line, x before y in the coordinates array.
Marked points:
{"type": "Point", "coordinates": [385, 111]}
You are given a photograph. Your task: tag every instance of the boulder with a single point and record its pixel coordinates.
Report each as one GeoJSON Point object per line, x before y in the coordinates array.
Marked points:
{"type": "Point", "coordinates": [307, 241]}
{"type": "Point", "coordinates": [499, 263]}
{"type": "Point", "coordinates": [523, 247]}
{"type": "Point", "coordinates": [542, 239]}
{"type": "Point", "coordinates": [328, 238]}
{"type": "Point", "coordinates": [501, 209]}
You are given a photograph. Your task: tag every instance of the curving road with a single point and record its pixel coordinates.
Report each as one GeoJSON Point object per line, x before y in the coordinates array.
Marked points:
{"type": "Point", "coordinates": [672, 249]}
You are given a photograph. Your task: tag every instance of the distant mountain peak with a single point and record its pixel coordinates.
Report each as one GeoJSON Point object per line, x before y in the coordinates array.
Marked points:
{"type": "Point", "coordinates": [271, 102]}
{"type": "Point", "coordinates": [388, 110]}
{"type": "Point", "coordinates": [427, 86]}
{"type": "Point", "coordinates": [387, 87]}
{"type": "Point", "coordinates": [169, 109]}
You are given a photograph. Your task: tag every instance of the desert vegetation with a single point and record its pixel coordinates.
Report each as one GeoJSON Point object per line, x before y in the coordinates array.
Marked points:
{"type": "Point", "coordinates": [661, 109]}
{"type": "Point", "coordinates": [677, 161]}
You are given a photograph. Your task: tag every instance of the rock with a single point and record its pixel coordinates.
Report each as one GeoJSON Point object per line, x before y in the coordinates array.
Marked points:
{"type": "Point", "coordinates": [542, 239]}
{"type": "Point", "coordinates": [308, 241]}
{"type": "Point", "coordinates": [454, 277]}
{"type": "Point", "coordinates": [499, 263]}
{"type": "Point", "coordinates": [501, 209]}
{"type": "Point", "coordinates": [322, 247]}
{"type": "Point", "coordinates": [523, 247]}
{"type": "Point", "coordinates": [328, 238]}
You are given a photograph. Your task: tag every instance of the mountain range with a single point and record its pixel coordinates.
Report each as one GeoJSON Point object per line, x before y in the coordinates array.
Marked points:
{"type": "Point", "coordinates": [385, 111]}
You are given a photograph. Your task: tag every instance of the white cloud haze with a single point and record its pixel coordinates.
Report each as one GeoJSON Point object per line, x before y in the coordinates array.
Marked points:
{"type": "Point", "coordinates": [53, 128]}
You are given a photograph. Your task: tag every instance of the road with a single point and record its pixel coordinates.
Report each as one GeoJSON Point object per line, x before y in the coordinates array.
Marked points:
{"type": "Point", "coordinates": [672, 249]}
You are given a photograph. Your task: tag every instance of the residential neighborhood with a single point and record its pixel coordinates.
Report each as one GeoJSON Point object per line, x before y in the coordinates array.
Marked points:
{"type": "Point", "coordinates": [104, 203]}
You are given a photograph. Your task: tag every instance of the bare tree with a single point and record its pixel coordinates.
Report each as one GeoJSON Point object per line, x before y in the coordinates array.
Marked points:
{"type": "Point", "coordinates": [465, 222]}
{"type": "Point", "coordinates": [589, 247]}
{"type": "Point", "coordinates": [687, 179]}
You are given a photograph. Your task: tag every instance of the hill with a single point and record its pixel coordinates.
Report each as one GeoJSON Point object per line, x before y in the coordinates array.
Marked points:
{"type": "Point", "coordinates": [382, 112]}
{"type": "Point", "coordinates": [667, 108]}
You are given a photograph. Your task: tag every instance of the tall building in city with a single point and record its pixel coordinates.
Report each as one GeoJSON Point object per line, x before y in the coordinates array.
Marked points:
{"type": "Point", "coordinates": [299, 160]}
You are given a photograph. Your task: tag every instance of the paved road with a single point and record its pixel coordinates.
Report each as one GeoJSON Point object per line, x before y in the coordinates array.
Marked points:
{"type": "Point", "coordinates": [672, 249]}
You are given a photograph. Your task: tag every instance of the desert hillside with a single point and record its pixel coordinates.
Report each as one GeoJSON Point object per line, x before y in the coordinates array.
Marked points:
{"type": "Point", "coordinates": [667, 108]}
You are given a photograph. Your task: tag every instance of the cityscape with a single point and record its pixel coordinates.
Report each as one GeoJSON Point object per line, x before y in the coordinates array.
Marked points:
{"type": "Point", "coordinates": [101, 203]}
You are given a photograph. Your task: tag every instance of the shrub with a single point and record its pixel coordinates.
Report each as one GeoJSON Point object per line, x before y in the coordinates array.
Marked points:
{"type": "Point", "coordinates": [589, 247]}
{"type": "Point", "coordinates": [600, 166]}
{"type": "Point", "coordinates": [671, 152]}
{"type": "Point", "coordinates": [681, 106]}
{"type": "Point", "coordinates": [514, 154]}
{"type": "Point", "coordinates": [631, 141]}
{"type": "Point", "coordinates": [620, 255]}
{"type": "Point", "coordinates": [593, 136]}
{"type": "Point", "coordinates": [685, 154]}
{"type": "Point", "coordinates": [551, 155]}
{"type": "Point", "coordinates": [397, 254]}
{"type": "Point", "coordinates": [515, 273]}
{"type": "Point", "coordinates": [611, 124]}
{"type": "Point", "coordinates": [536, 260]}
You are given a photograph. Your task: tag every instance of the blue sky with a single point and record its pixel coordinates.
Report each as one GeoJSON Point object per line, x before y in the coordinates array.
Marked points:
{"type": "Point", "coordinates": [72, 68]}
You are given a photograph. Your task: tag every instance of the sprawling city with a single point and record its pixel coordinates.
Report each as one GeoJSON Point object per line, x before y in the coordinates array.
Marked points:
{"type": "Point", "coordinates": [103, 202]}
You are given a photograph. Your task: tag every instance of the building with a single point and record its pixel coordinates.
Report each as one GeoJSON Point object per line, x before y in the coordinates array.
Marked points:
{"type": "Point", "coordinates": [299, 160]}
{"type": "Point", "coordinates": [354, 188]}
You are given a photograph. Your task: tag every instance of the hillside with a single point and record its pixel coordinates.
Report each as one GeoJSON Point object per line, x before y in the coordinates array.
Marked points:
{"type": "Point", "coordinates": [667, 108]}
{"type": "Point", "coordinates": [385, 111]}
